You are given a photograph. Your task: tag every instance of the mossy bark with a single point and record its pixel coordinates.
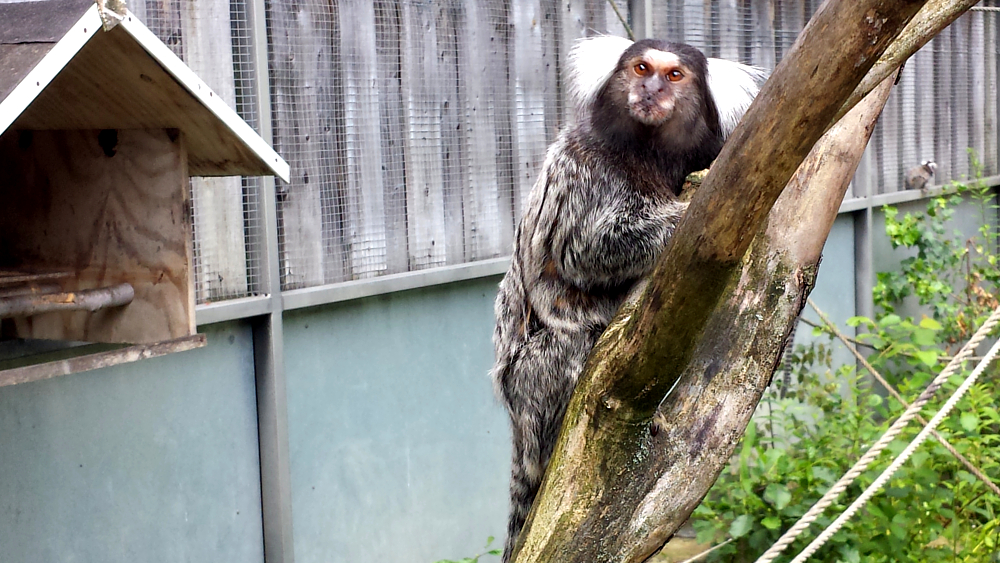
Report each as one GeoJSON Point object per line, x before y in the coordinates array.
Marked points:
{"type": "Point", "coordinates": [700, 344]}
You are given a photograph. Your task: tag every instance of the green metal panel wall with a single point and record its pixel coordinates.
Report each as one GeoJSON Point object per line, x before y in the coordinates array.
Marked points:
{"type": "Point", "coordinates": [150, 461]}
{"type": "Point", "coordinates": [834, 293]}
{"type": "Point", "coordinates": [399, 451]}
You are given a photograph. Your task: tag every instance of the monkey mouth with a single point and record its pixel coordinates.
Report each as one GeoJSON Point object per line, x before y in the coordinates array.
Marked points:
{"type": "Point", "coordinates": [651, 113]}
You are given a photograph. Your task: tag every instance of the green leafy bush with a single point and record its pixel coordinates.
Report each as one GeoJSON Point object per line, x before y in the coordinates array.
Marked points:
{"type": "Point", "coordinates": [806, 434]}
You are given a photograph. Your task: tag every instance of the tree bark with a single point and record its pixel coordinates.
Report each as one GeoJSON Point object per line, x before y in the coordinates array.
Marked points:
{"type": "Point", "coordinates": [710, 327]}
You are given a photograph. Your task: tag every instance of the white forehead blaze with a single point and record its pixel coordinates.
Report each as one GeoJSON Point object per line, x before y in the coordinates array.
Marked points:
{"type": "Point", "coordinates": [661, 59]}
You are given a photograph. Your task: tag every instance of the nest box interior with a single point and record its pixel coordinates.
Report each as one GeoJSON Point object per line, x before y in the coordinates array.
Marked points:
{"type": "Point", "coordinates": [99, 133]}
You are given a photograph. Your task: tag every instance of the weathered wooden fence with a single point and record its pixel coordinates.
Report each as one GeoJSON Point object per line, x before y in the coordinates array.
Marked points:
{"type": "Point", "coordinates": [415, 128]}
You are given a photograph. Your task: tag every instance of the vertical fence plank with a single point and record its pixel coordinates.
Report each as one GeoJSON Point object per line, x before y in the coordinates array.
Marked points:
{"type": "Point", "coordinates": [892, 171]}
{"type": "Point", "coordinates": [366, 223]}
{"type": "Point", "coordinates": [669, 20]}
{"type": "Point", "coordinates": [729, 30]}
{"type": "Point", "coordinates": [943, 134]}
{"type": "Point", "coordinates": [977, 72]}
{"type": "Point", "coordinates": [923, 71]}
{"type": "Point", "coordinates": [553, 54]}
{"type": "Point", "coordinates": [334, 195]}
{"type": "Point", "coordinates": [793, 19]}
{"type": "Point", "coordinates": [218, 202]}
{"type": "Point", "coordinates": [389, 51]}
{"type": "Point", "coordinates": [614, 25]}
{"type": "Point", "coordinates": [990, 130]}
{"type": "Point", "coordinates": [961, 94]}
{"type": "Point", "coordinates": [481, 199]}
{"type": "Point", "coordinates": [572, 21]}
{"type": "Point", "coordinates": [500, 49]}
{"type": "Point", "coordinates": [422, 98]}
{"type": "Point", "coordinates": [297, 64]}
{"type": "Point", "coordinates": [762, 15]}
{"type": "Point", "coordinates": [594, 16]}
{"type": "Point", "coordinates": [697, 23]}
{"type": "Point", "coordinates": [138, 10]}
{"type": "Point", "coordinates": [453, 174]}
{"type": "Point", "coordinates": [529, 82]}
{"type": "Point", "coordinates": [877, 156]}
{"type": "Point", "coordinates": [907, 92]}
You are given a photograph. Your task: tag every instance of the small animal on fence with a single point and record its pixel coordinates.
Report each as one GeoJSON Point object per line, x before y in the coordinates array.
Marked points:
{"type": "Point", "coordinates": [605, 203]}
{"type": "Point", "coordinates": [917, 178]}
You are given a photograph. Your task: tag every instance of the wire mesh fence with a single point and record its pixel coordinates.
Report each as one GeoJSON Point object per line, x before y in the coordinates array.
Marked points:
{"type": "Point", "coordinates": [214, 39]}
{"type": "Point", "coordinates": [415, 128]}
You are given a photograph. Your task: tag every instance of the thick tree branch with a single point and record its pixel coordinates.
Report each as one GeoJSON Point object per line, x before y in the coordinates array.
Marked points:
{"type": "Point", "coordinates": [929, 21]}
{"type": "Point", "coordinates": [793, 110]}
{"type": "Point", "coordinates": [706, 413]}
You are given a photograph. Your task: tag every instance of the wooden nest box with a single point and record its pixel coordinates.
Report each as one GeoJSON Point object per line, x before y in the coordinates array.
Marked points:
{"type": "Point", "coordinates": [99, 132]}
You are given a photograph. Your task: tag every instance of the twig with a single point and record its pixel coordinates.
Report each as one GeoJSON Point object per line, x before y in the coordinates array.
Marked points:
{"type": "Point", "coordinates": [707, 551]}
{"type": "Point", "coordinates": [892, 391]}
{"type": "Point", "coordinates": [854, 341]}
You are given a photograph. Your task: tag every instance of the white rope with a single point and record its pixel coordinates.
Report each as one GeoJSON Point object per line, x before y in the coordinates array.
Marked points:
{"type": "Point", "coordinates": [900, 460]}
{"type": "Point", "coordinates": [862, 464]}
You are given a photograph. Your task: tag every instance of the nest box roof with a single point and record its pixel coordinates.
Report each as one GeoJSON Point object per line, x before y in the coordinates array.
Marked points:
{"type": "Point", "coordinates": [60, 70]}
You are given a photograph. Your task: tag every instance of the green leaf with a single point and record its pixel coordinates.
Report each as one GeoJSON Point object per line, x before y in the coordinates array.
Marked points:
{"type": "Point", "coordinates": [823, 474]}
{"type": "Point", "coordinates": [740, 526]}
{"type": "Point", "coordinates": [890, 320]}
{"type": "Point", "coordinates": [771, 522]}
{"type": "Point", "coordinates": [856, 321]}
{"type": "Point", "coordinates": [924, 337]}
{"type": "Point", "coordinates": [850, 554]}
{"type": "Point", "coordinates": [969, 420]}
{"type": "Point", "coordinates": [929, 324]}
{"type": "Point", "coordinates": [777, 495]}
{"type": "Point", "coordinates": [928, 357]}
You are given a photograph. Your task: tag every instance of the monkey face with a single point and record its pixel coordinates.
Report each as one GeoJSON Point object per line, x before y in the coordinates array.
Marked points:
{"type": "Point", "coordinates": [657, 83]}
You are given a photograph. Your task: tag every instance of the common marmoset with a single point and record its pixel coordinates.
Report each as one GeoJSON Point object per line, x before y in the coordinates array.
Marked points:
{"type": "Point", "coordinates": [605, 203]}
{"type": "Point", "coordinates": [917, 178]}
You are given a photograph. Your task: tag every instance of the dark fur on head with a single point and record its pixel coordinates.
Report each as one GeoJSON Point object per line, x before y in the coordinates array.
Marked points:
{"type": "Point", "coordinates": [688, 141]}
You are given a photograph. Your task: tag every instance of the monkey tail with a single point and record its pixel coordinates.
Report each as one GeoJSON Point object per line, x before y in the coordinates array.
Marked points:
{"type": "Point", "coordinates": [525, 479]}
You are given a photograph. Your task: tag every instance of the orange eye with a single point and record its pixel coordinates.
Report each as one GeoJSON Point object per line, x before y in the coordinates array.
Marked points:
{"type": "Point", "coordinates": [675, 75]}
{"type": "Point", "coordinates": [642, 69]}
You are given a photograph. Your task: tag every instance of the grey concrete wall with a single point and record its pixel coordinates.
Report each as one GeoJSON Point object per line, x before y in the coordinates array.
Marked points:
{"type": "Point", "coordinates": [399, 452]}
{"type": "Point", "coordinates": [151, 461]}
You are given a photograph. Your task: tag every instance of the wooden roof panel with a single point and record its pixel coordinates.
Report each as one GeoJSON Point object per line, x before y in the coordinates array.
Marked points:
{"type": "Point", "coordinates": [113, 83]}
{"type": "Point", "coordinates": [127, 79]}
{"type": "Point", "coordinates": [46, 21]}
{"type": "Point", "coordinates": [16, 60]}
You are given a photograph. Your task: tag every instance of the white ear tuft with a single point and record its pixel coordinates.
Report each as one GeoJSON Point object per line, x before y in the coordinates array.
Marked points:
{"type": "Point", "coordinates": [591, 63]}
{"type": "Point", "coordinates": [734, 86]}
